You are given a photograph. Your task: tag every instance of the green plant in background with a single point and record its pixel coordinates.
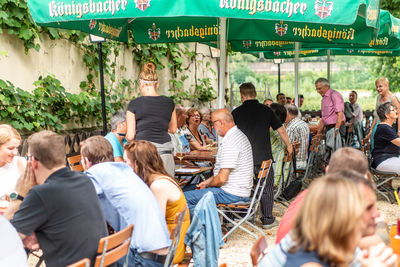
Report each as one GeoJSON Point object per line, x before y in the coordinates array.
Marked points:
{"type": "Point", "coordinates": [49, 106]}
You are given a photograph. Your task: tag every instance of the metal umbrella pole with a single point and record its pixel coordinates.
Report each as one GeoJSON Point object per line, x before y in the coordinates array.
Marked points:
{"type": "Point", "coordinates": [103, 95]}
{"type": "Point", "coordinates": [99, 41]}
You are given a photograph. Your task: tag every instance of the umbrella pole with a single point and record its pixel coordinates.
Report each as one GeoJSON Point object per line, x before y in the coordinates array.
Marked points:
{"type": "Point", "coordinates": [279, 78]}
{"type": "Point", "coordinates": [222, 63]}
{"type": "Point", "coordinates": [328, 65]}
{"type": "Point", "coordinates": [296, 73]}
{"type": "Point", "coordinates": [103, 97]}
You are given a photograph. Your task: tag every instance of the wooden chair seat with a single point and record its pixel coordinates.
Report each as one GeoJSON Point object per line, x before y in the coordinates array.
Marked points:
{"type": "Point", "coordinates": [82, 263]}
{"type": "Point", "coordinates": [258, 250]}
{"type": "Point", "coordinates": [114, 247]}
{"type": "Point", "coordinates": [74, 163]}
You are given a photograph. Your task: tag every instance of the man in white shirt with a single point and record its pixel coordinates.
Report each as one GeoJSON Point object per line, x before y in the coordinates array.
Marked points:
{"type": "Point", "coordinates": [233, 171]}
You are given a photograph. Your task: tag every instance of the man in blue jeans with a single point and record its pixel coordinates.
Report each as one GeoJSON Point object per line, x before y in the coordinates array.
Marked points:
{"type": "Point", "coordinates": [233, 171]}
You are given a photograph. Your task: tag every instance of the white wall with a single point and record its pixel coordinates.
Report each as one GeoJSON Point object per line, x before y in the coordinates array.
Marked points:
{"type": "Point", "coordinates": [63, 59]}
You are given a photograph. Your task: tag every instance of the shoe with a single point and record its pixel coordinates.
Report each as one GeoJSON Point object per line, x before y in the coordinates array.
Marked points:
{"type": "Point", "coordinates": [270, 226]}
{"type": "Point", "coordinates": [229, 225]}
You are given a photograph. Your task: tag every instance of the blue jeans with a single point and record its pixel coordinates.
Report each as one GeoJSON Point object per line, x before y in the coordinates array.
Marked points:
{"type": "Point", "coordinates": [221, 197]}
{"type": "Point", "coordinates": [135, 260]}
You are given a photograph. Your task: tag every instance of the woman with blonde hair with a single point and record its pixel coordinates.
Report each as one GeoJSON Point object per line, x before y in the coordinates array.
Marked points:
{"type": "Point", "coordinates": [327, 227]}
{"type": "Point", "coordinates": [152, 116]}
{"type": "Point", "coordinates": [11, 166]}
{"type": "Point", "coordinates": [384, 96]}
{"type": "Point", "coordinates": [142, 156]}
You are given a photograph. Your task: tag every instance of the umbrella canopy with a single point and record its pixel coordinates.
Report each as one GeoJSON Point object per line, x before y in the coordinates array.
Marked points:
{"type": "Point", "coordinates": [388, 38]}
{"type": "Point", "coordinates": [339, 21]}
{"type": "Point", "coordinates": [333, 52]}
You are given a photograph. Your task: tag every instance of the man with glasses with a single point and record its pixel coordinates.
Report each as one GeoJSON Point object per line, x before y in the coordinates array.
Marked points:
{"type": "Point", "coordinates": [332, 114]}
{"type": "Point", "coordinates": [254, 120]}
{"type": "Point", "coordinates": [56, 208]}
{"type": "Point", "coordinates": [233, 171]}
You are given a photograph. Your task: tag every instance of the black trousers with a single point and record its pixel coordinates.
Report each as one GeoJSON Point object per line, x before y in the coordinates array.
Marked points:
{"type": "Point", "coordinates": [267, 198]}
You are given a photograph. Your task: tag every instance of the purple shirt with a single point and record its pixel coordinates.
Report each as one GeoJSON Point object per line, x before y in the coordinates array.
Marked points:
{"type": "Point", "coordinates": [332, 103]}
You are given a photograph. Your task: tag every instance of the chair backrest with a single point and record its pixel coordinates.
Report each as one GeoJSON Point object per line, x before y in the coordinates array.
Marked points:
{"type": "Point", "coordinates": [114, 247]}
{"type": "Point", "coordinates": [82, 263]}
{"type": "Point", "coordinates": [175, 237]}
{"type": "Point", "coordinates": [258, 250]}
{"type": "Point", "coordinates": [262, 177]}
{"type": "Point", "coordinates": [74, 163]}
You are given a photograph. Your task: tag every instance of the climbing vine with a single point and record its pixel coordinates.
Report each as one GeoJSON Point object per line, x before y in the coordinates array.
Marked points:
{"type": "Point", "coordinates": [51, 113]}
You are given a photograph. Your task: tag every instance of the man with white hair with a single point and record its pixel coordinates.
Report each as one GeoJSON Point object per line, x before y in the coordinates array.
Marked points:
{"type": "Point", "coordinates": [117, 135]}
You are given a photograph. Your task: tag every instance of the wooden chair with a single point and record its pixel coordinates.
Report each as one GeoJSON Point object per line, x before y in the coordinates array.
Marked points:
{"type": "Point", "coordinates": [74, 163]}
{"type": "Point", "coordinates": [114, 247]}
{"type": "Point", "coordinates": [82, 263]}
{"type": "Point", "coordinates": [247, 209]}
{"type": "Point", "coordinates": [175, 237]}
{"type": "Point", "coordinates": [258, 250]}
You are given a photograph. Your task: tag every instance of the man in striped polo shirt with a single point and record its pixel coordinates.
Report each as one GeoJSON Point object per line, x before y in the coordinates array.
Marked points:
{"type": "Point", "coordinates": [233, 171]}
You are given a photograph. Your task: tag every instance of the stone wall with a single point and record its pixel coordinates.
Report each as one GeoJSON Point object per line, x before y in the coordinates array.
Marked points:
{"type": "Point", "coordinates": [64, 60]}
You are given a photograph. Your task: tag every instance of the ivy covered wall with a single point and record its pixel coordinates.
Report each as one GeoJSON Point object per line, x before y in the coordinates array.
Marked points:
{"type": "Point", "coordinates": [49, 77]}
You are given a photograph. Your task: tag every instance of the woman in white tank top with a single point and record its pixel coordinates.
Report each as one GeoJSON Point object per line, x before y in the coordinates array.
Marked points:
{"type": "Point", "coordinates": [11, 166]}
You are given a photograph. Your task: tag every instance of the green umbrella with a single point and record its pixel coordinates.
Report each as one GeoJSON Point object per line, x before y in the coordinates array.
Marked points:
{"type": "Point", "coordinates": [388, 38]}
{"type": "Point", "coordinates": [194, 20]}
{"type": "Point", "coordinates": [333, 52]}
{"type": "Point", "coordinates": [300, 20]}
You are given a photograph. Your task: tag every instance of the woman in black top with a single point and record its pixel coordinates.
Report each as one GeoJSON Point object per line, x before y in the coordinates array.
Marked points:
{"type": "Point", "coordinates": [151, 117]}
{"type": "Point", "coordinates": [386, 141]}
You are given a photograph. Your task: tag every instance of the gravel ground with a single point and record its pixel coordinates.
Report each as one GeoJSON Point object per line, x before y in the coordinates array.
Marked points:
{"type": "Point", "coordinates": [236, 251]}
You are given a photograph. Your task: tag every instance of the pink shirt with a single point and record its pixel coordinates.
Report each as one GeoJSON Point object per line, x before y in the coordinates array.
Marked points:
{"type": "Point", "coordinates": [332, 103]}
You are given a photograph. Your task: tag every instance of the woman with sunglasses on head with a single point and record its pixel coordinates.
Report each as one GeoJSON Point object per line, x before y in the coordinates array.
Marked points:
{"type": "Point", "coordinates": [142, 157]}
{"type": "Point", "coordinates": [11, 166]}
{"type": "Point", "coordinates": [197, 141]}
{"type": "Point", "coordinates": [152, 116]}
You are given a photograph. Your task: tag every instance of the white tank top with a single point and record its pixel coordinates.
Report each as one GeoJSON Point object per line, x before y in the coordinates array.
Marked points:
{"type": "Point", "coordinates": [9, 174]}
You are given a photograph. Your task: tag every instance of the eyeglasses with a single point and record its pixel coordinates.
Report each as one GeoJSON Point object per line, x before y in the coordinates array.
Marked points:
{"type": "Point", "coordinates": [213, 122]}
{"type": "Point", "coordinates": [195, 115]}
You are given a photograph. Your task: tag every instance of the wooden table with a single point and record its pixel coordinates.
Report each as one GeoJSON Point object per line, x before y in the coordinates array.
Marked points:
{"type": "Point", "coordinates": [186, 177]}
{"type": "Point", "coordinates": [201, 155]}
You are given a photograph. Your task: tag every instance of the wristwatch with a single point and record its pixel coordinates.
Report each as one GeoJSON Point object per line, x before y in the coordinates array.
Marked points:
{"type": "Point", "coordinates": [15, 196]}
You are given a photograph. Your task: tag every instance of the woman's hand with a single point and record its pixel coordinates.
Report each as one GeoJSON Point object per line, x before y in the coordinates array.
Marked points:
{"type": "Point", "coordinates": [378, 256]}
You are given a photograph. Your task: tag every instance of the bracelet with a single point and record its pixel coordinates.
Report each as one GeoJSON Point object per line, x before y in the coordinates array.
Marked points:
{"type": "Point", "coordinates": [336, 129]}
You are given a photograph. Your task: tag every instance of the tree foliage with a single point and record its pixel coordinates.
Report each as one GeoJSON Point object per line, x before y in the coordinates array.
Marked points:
{"type": "Point", "coordinates": [390, 66]}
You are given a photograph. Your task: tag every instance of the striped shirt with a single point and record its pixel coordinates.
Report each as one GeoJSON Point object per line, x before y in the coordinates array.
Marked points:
{"type": "Point", "coordinates": [235, 153]}
{"type": "Point", "coordinates": [298, 131]}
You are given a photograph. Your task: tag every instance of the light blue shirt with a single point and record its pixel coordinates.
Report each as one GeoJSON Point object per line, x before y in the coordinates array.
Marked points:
{"type": "Point", "coordinates": [126, 199]}
{"type": "Point", "coordinates": [118, 151]}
